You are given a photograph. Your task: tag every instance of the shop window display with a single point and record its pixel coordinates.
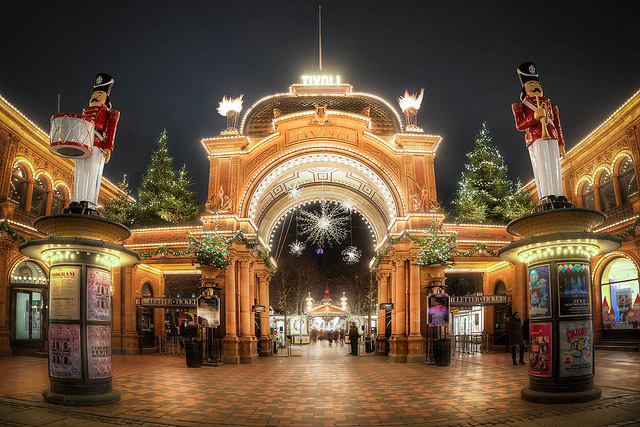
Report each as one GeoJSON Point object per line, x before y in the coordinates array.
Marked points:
{"type": "Point", "coordinates": [620, 295]}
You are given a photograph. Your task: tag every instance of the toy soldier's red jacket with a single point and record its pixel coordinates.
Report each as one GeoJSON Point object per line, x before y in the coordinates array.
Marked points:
{"type": "Point", "coordinates": [523, 114]}
{"type": "Point", "coordinates": [105, 122]}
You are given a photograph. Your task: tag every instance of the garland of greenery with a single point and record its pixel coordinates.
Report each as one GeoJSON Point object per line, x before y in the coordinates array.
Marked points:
{"type": "Point", "coordinates": [406, 236]}
{"type": "Point", "coordinates": [630, 229]}
{"type": "Point", "coordinates": [212, 248]}
{"type": "Point", "coordinates": [4, 226]}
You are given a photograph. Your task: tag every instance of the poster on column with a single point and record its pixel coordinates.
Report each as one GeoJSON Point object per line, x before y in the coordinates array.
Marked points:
{"type": "Point", "coordinates": [539, 301]}
{"type": "Point", "coordinates": [540, 355]}
{"type": "Point", "coordinates": [209, 311]}
{"type": "Point", "coordinates": [99, 351]}
{"type": "Point", "coordinates": [576, 348]}
{"type": "Point", "coordinates": [573, 289]}
{"type": "Point", "coordinates": [438, 310]}
{"type": "Point", "coordinates": [64, 293]}
{"type": "Point", "coordinates": [98, 294]}
{"type": "Point", "coordinates": [64, 351]}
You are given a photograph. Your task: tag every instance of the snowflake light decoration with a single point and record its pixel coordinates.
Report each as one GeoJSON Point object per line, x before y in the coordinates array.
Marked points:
{"type": "Point", "coordinates": [296, 248]}
{"type": "Point", "coordinates": [351, 255]}
{"type": "Point", "coordinates": [294, 192]}
{"type": "Point", "coordinates": [325, 227]}
{"type": "Point", "coordinates": [348, 205]}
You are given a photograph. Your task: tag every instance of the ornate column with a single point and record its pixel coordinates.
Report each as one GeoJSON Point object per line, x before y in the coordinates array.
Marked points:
{"type": "Point", "coordinates": [383, 297]}
{"type": "Point", "coordinates": [5, 295]}
{"type": "Point", "coordinates": [398, 340]}
{"type": "Point", "coordinates": [263, 291]}
{"type": "Point", "coordinates": [28, 195]}
{"type": "Point", "coordinates": [248, 342]}
{"type": "Point", "coordinates": [230, 348]}
{"type": "Point", "coordinates": [416, 343]}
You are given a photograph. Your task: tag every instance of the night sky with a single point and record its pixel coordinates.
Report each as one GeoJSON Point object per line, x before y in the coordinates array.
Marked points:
{"type": "Point", "coordinates": [173, 61]}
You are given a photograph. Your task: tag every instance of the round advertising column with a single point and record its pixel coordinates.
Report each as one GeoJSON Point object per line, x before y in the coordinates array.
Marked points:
{"type": "Point", "coordinates": [80, 255]}
{"type": "Point", "coordinates": [557, 246]}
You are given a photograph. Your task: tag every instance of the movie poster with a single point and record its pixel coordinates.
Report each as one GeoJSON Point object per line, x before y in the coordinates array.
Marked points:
{"type": "Point", "coordinates": [99, 351]}
{"type": "Point", "coordinates": [98, 294]}
{"type": "Point", "coordinates": [64, 293]}
{"type": "Point", "coordinates": [540, 354]}
{"type": "Point", "coordinates": [209, 311]}
{"type": "Point", "coordinates": [438, 309]}
{"type": "Point", "coordinates": [64, 351]}
{"type": "Point", "coordinates": [576, 348]}
{"type": "Point", "coordinates": [539, 301]}
{"type": "Point", "coordinates": [573, 289]}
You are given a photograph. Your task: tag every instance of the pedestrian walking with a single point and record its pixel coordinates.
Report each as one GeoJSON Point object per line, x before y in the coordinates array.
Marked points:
{"type": "Point", "coordinates": [514, 329]}
{"type": "Point", "coordinates": [353, 338]}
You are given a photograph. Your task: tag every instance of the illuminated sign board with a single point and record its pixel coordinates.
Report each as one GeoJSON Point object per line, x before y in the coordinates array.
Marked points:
{"type": "Point", "coordinates": [312, 80]}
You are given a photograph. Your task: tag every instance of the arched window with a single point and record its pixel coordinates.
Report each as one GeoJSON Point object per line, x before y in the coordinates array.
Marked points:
{"type": "Point", "coordinates": [588, 197]}
{"type": "Point", "coordinates": [39, 198]}
{"type": "Point", "coordinates": [146, 290]}
{"type": "Point", "coordinates": [500, 288]}
{"type": "Point", "coordinates": [57, 199]}
{"type": "Point", "coordinates": [607, 192]}
{"type": "Point", "coordinates": [627, 178]}
{"type": "Point", "coordinates": [18, 191]}
{"type": "Point", "coordinates": [620, 298]}
{"type": "Point", "coordinates": [29, 273]}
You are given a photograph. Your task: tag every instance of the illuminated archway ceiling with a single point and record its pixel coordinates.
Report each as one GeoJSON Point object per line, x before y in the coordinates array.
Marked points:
{"type": "Point", "coordinates": [257, 121]}
{"type": "Point", "coordinates": [315, 180]}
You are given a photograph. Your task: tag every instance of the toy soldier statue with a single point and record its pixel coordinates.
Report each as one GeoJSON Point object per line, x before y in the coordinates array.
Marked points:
{"type": "Point", "coordinates": [88, 172]}
{"type": "Point", "coordinates": [535, 114]}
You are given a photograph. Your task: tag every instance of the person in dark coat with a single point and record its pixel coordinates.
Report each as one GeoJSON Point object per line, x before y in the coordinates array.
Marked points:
{"type": "Point", "coordinates": [525, 332]}
{"type": "Point", "coordinates": [514, 329]}
{"type": "Point", "coordinates": [353, 338]}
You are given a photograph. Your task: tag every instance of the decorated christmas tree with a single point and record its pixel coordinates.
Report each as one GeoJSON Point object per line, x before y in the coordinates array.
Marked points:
{"type": "Point", "coordinates": [437, 247]}
{"type": "Point", "coordinates": [121, 208]}
{"type": "Point", "coordinates": [164, 197]}
{"type": "Point", "coordinates": [211, 250]}
{"type": "Point", "coordinates": [485, 193]}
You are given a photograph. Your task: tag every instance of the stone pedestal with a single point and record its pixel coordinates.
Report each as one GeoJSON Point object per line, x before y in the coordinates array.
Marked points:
{"type": "Point", "coordinates": [81, 251]}
{"type": "Point", "coordinates": [248, 347]}
{"type": "Point", "coordinates": [416, 350]}
{"type": "Point", "coordinates": [265, 346]}
{"type": "Point", "coordinates": [556, 247]}
{"type": "Point", "coordinates": [398, 349]}
{"type": "Point", "coordinates": [230, 350]}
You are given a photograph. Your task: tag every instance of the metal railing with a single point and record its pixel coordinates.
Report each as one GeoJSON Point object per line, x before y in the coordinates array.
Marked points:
{"type": "Point", "coordinates": [471, 344]}
{"type": "Point", "coordinates": [171, 345]}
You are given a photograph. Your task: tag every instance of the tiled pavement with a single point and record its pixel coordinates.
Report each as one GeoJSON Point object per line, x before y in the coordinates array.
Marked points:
{"type": "Point", "coordinates": [323, 387]}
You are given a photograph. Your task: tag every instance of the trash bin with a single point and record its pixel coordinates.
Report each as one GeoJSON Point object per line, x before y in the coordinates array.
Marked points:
{"type": "Point", "coordinates": [368, 345]}
{"type": "Point", "coordinates": [193, 350]}
{"type": "Point", "coordinates": [442, 351]}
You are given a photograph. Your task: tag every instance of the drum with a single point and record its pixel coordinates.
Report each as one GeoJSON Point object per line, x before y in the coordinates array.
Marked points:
{"type": "Point", "coordinates": [71, 136]}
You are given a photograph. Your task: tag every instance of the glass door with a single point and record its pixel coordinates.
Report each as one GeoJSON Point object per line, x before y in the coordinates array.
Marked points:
{"type": "Point", "coordinates": [28, 315]}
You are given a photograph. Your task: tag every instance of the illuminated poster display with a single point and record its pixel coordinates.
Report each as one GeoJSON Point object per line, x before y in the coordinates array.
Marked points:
{"type": "Point", "coordinates": [576, 348]}
{"type": "Point", "coordinates": [539, 301]}
{"type": "Point", "coordinates": [64, 293]}
{"type": "Point", "coordinates": [209, 311]}
{"type": "Point", "coordinates": [573, 289]}
{"type": "Point", "coordinates": [540, 355]}
{"type": "Point", "coordinates": [438, 309]}
{"type": "Point", "coordinates": [64, 351]}
{"type": "Point", "coordinates": [99, 351]}
{"type": "Point", "coordinates": [98, 295]}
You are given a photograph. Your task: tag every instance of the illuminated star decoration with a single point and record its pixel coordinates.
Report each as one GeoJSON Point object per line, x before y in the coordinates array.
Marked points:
{"type": "Point", "coordinates": [325, 227]}
{"type": "Point", "coordinates": [296, 248]}
{"type": "Point", "coordinates": [351, 254]}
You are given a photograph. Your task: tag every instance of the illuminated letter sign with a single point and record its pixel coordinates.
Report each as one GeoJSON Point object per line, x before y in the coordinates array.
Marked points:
{"type": "Point", "coordinates": [321, 80]}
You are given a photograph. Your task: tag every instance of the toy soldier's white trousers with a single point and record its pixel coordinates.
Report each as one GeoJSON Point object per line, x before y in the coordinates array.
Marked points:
{"type": "Point", "coordinates": [545, 159]}
{"type": "Point", "coordinates": [86, 182]}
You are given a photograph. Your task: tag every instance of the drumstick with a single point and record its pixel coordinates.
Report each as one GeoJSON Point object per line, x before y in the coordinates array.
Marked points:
{"type": "Point", "coordinates": [58, 102]}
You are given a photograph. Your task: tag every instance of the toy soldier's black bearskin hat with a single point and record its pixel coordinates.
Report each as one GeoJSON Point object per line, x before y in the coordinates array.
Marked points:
{"type": "Point", "coordinates": [103, 82]}
{"type": "Point", "coordinates": [527, 72]}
